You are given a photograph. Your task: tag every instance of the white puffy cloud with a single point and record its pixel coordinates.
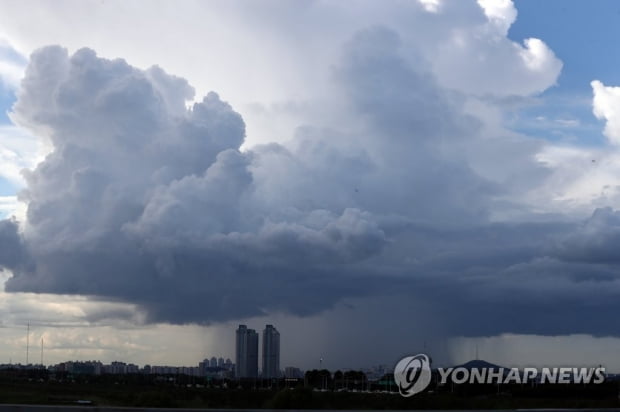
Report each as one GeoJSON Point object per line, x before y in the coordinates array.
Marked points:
{"type": "Point", "coordinates": [431, 6]}
{"type": "Point", "coordinates": [490, 64]}
{"type": "Point", "coordinates": [276, 98]}
{"type": "Point", "coordinates": [606, 106]}
{"type": "Point", "coordinates": [581, 179]}
{"type": "Point", "coordinates": [501, 13]}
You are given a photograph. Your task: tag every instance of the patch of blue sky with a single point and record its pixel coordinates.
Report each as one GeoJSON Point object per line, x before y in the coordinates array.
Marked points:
{"type": "Point", "coordinates": [9, 53]}
{"type": "Point", "coordinates": [7, 98]}
{"type": "Point", "coordinates": [584, 36]}
{"type": "Point", "coordinates": [560, 117]}
{"type": "Point", "coordinates": [12, 58]}
{"type": "Point", "coordinates": [582, 33]}
{"type": "Point", "coordinates": [7, 188]}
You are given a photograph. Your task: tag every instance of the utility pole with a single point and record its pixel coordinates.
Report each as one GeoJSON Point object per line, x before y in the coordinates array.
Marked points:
{"type": "Point", "coordinates": [27, 342]}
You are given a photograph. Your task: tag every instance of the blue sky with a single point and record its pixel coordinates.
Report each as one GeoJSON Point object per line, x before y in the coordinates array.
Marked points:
{"type": "Point", "coordinates": [10, 56]}
{"type": "Point", "coordinates": [583, 34]}
{"type": "Point", "coordinates": [6, 188]}
{"type": "Point", "coordinates": [7, 98]}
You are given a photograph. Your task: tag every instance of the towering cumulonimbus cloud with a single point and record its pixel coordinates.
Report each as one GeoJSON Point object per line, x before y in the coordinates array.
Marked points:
{"type": "Point", "coordinates": [146, 200]}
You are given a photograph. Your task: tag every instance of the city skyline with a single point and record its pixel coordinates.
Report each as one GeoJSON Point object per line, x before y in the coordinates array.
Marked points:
{"type": "Point", "coordinates": [469, 350]}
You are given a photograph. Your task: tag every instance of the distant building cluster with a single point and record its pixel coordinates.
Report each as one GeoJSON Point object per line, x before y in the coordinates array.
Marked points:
{"type": "Point", "coordinates": [216, 367]}
{"type": "Point", "coordinates": [291, 372]}
{"type": "Point", "coordinates": [224, 369]}
{"type": "Point", "coordinates": [246, 358]}
{"type": "Point", "coordinates": [210, 368]}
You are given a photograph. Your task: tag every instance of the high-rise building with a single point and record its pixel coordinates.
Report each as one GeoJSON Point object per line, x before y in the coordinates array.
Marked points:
{"type": "Point", "coordinates": [246, 353]}
{"type": "Point", "coordinates": [271, 352]}
{"type": "Point", "coordinates": [213, 362]}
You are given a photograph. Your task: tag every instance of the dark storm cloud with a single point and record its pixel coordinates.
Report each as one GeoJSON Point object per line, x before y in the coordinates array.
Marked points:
{"type": "Point", "coordinates": [501, 278]}
{"type": "Point", "coordinates": [597, 240]}
{"type": "Point", "coordinates": [147, 202]}
{"type": "Point", "coordinates": [12, 253]}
